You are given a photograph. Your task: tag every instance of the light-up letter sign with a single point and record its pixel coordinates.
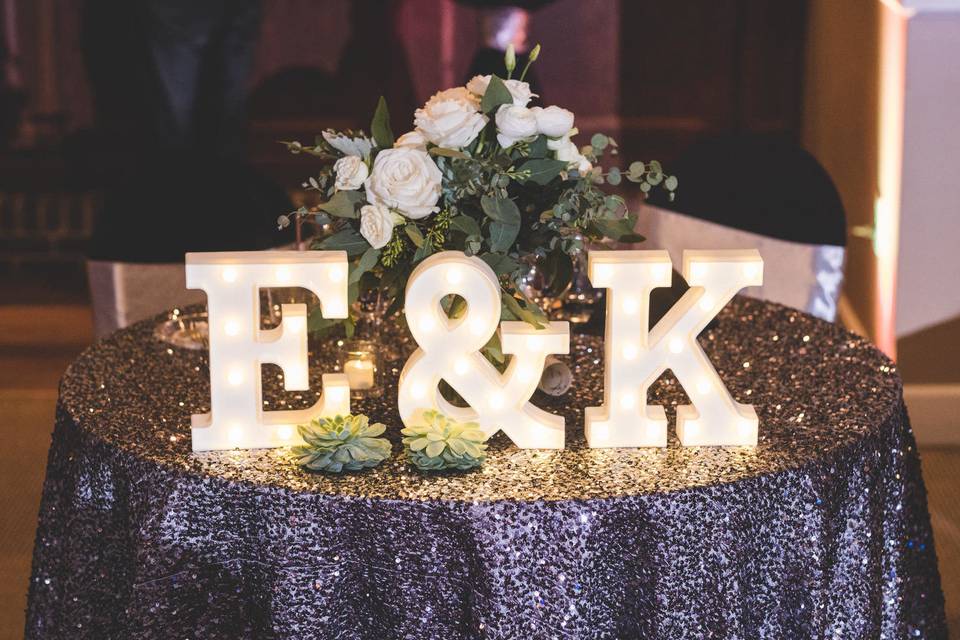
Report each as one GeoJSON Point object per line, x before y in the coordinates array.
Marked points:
{"type": "Point", "coordinates": [238, 346]}
{"type": "Point", "coordinates": [637, 355]}
{"type": "Point", "coordinates": [449, 349]}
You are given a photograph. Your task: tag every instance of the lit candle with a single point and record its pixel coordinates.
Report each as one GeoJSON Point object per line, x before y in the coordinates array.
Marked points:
{"type": "Point", "coordinates": [359, 373]}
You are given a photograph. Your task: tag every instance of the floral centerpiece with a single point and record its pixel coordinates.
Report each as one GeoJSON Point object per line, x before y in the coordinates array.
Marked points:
{"type": "Point", "coordinates": [483, 172]}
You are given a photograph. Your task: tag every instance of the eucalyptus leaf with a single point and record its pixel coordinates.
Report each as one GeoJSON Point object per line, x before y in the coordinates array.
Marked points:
{"type": "Point", "coordinates": [342, 204]}
{"type": "Point", "coordinates": [465, 224]}
{"type": "Point", "coordinates": [501, 209]}
{"type": "Point", "coordinates": [367, 261]}
{"type": "Point", "coordinates": [521, 312]}
{"type": "Point", "coordinates": [423, 251]}
{"type": "Point", "coordinates": [414, 234]}
{"type": "Point", "coordinates": [613, 176]}
{"type": "Point", "coordinates": [502, 235]}
{"type": "Point", "coordinates": [449, 153]}
{"type": "Point", "coordinates": [670, 183]}
{"type": "Point", "coordinates": [500, 263]}
{"type": "Point", "coordinates": [345, 240]}
{"type": "Point", "coordinates": [493, 349]}
{"type": "Point", "coordinates": [599, 142]}
{"type": "Point", "coordinates": [542, 170]}
{"type": "Point", "coordinates": [619, 229]}
{"type": "Point", "coordinates": [538, 148]}
{"type": "Point", "coordinates": [380, 126]}
{"type": "Point", "coordinates": [496, 94]}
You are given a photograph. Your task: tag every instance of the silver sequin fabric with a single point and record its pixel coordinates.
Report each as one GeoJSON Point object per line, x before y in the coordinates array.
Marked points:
{"type": "Point", "coordinates": [821, 531]}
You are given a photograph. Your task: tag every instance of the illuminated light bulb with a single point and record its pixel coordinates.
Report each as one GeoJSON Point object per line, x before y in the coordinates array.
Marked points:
{"type": "Point", "coordinates": [335, 273]}
{"type": "Point", "coordinates": [235, 377]}
{"type": "Point", "coordinates": [703, 387]}
{"type": "Point", "coordinates": [525, 373]}
{"type": "Point", "coordinates": [454, 276]}
{"type": "Point", "coordinates": [534, 343]}
{"type": "Point", "coordinates": [235, 434]}
{"type": "Point", "coordinates": [283, 274]}
{"type": "Point", "coordinates": [461, 366]}
{"type": "Point", "coordinates": [285, 432]}
{"type": "Point", "coordinates": [495, 400]}
{"type": "Point", "coordinates": [706, 303]}
{"type": "Point", "coordinates": [662, 271]}
{"type": "Point", "coordinates": [751, 269]}
{"type": "Point", "coordinates": [603, 271]}
{"type": "Point", "coordinates": [630, 305]}
{"type": "Point", "coordinates": [296, 374]}
{"type": "Point", "coordinates": [229, 275]}
{"type": "Point", "coordinates": [231, 328]}
{"type": "Point", "coordinates": [419, 390]}
{"type": "Point", "coordinates": [477, 327]}
{"type": "Point", "coordinates": [628, 401]}
{"type": "Point", "coordinates": [746, 425]}
{"type": "Point", "coordinates": [599, 432]}
{"type": "Point", "coordinates": [427, 323]}
{"type": "Point", "coordinates": [335, 394]}
{"type": "Point", "coordinates": [676, 345]}
{"type": "Point", "coordinates": [630, 351]}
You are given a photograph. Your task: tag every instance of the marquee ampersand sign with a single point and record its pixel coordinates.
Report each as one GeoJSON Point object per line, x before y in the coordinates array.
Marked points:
{"type": "Point", "coordinates": [449, 349]}
{"type": "Point", "coordinates": [238, 346]}
{"type": "Point", "coordinates": [637, 355]}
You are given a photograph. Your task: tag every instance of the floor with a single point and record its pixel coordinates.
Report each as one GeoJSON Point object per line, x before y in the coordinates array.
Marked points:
{"type": "Point", "coordinates": [38, 341]}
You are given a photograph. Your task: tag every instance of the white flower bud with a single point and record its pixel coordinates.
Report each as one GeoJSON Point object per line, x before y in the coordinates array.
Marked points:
{"type": "Point", "coordinates": [554, 122]}
{"type": "Point", "coordinates": [514, 123]}
{"type": "Point", "coordinates": [351, 172]}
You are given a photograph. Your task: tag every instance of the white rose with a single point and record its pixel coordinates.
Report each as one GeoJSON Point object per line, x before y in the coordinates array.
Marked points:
{"type": "Point", "coordinates": [405, 179]}
{"type": "Point", "coordinates": [450, 118]}
{"type": "Point", "coordinates": [520, 91]}
{"type": "Point", "coordinates": [514, 123]}
{"type": "Point", "coordinates": [351, 172]}
{"type": "Point", "coordinates": [412, 139]}
{"type": "Point", "coordinates": [458, 94]}
{"type": "Point", "coordinates": [554, 122]}
{"type": "Point", "coordinates": [567, 151]}
{"type": "Point", "coordinates": [376, 224]}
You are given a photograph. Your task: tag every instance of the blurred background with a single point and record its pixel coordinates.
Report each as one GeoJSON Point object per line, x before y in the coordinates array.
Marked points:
{"type": "Point", "coordinates": [134, 130]}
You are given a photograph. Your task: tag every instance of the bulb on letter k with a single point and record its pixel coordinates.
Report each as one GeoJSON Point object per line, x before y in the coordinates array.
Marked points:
{"type": "Point", "coordinates": [637, 355]}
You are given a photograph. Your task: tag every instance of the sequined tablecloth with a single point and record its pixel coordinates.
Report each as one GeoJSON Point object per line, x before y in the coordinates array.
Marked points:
{"type": "Point", "coordinates": [820, 531]}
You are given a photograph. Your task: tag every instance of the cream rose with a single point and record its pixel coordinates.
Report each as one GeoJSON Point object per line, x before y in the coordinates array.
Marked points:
{"type": "Point", "coordinates": [351, 172]}
{"type": "Point", "coordinates": [450, 118]}
{"type": "Point", "coordinates": [554, 122]}
{"type": "Point", "coordinates": [514, 123]}
{"type": "Point", "coordinates": [519, 91]}
{"type": "Point", "coordinates": [566, 151]}
{"type": "Point", "coordinates": [412, 139]}
{"type": "Point", "coordinates": [376, 224]}
{"type": "Point", "coordinates": [405, 179]}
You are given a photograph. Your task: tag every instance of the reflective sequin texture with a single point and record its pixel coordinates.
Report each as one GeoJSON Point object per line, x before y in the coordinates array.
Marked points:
{"type": "Point", "coordinates": [821, 531]}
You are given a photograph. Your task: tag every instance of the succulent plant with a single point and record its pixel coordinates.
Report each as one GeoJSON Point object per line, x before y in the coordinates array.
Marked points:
{"type": "Point", "coordinates": [341, 443]}
{"type": "Point", "coordinates": [441, 443]}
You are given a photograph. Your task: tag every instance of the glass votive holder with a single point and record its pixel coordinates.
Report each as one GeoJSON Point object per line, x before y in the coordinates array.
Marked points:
{"type": "Point", "coordinates": [358, 359]}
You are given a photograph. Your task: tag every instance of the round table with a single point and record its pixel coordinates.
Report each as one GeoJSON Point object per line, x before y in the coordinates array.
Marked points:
{"type": "Point", "coordinates": [821, 530]}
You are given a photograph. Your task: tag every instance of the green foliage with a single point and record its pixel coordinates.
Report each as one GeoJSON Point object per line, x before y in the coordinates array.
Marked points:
{"type": "Point", "coordinates": [441, 443]}
{"type": "Point", "coordinates": [496, 94]}
{"type": "Point", "coordinates": [380, 126]}
{"type": "Point", "coordinates": [345, 240]}
{"type": "Point", "coordinates": [343, 443]}
{"type": "Point", "coordinates": [541, 170]}
{"type": "Point", "coordinates": [512, 208]}
{"type": "Point", "coordinates": [343, 204]}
